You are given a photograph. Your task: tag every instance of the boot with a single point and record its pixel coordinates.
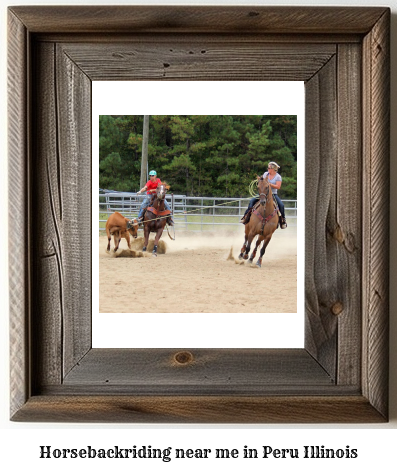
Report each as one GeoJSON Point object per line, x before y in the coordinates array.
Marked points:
{"type": "Point", "coordinates": [247, 216]}
{"type": "Point", "coordinates": [170, 222]}
{"type": "Point", "coordinates": [140, 220]}
{"type": "Point", "coordinates": [283, 223]}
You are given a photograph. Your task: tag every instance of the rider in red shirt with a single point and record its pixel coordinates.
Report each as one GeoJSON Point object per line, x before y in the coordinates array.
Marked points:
{"type": "Point", "coordinates": [151, 185]}
{"type": "Point", "coordinates": [150, 189]}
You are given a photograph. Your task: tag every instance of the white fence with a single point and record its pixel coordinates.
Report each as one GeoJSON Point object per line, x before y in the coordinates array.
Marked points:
{"type": "Point", "coordinates": [195, 213]}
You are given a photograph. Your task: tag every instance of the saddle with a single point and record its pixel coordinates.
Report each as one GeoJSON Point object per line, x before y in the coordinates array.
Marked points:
{"type": "Point", "coordinates": [158, 213]}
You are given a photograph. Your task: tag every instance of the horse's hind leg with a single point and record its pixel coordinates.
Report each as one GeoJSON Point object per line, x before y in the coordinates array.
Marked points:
{"type": "Point", "coordinates": [243, 248]}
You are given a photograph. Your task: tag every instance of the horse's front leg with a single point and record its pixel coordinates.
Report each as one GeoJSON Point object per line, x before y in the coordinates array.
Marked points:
{"type": "Point", "coordinates": [263, 249]}
{"type": "Point", "coordinates": [156, 241]}
{"type": "Point", "coordinates": [253, 255]}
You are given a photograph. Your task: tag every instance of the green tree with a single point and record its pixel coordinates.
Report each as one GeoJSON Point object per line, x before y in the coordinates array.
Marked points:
{"type": "Point", "coordinates": [199, 154]}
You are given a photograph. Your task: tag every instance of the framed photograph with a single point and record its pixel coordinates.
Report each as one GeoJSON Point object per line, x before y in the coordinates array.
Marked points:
{"type": "Point", "coordinates": [210, 154]}
{"type": "Point", "coordinates": [340, 374]}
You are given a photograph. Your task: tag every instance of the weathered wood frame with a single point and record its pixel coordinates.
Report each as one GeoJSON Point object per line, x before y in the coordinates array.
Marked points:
{"type": "Point", "coordinates": [342, 54]}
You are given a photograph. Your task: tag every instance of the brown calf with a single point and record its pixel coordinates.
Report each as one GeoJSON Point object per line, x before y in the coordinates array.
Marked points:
{"type": "Point", "coordinates": [119, 226]}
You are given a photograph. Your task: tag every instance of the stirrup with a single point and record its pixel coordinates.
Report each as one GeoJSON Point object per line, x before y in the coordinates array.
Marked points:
{"type": "Point", "coordinates": [247, 216]}
{"type": "Point", "coordinates": [245, 219]}
{"type": "Point", "coordinates": [170, 222]}
{"type": "Point", "coordinates": [283, 223]}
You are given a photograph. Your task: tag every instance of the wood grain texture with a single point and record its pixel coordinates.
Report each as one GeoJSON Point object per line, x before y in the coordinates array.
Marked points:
{"type": "Point", "coordinates": [376, 92]}
{"type": "Point", "coordinates": [47, 296]}
{"type": "Point", "coordinates": [204, 60]}
{"type": "Point", "coordinates": [199, 19]}
{"type": "Point", "coordinates": [226, 370]}
{"type": "Point", "coordinates": [321, 279]}
{"type": "Point", "coordinates": [62, 256]}
{"type": "Point", "coordinates": [199, 409]}
{"type": "Point", "coordinates": [341, 375]}
{"type": "Point", "coordinates": [18, 247]}
{"type": "Point", "coordinates": [346, 225]}
{"type": "Point", "coordinates": [333, 231]}
{"type": "Point", "coordinates": [176, 38]}
{"type": "Point", "coordinates": [74, 108]}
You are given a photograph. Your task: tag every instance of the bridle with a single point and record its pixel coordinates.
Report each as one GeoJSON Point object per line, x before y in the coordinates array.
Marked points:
{"type": "Point", "coordinates": [161, 195]}
{"type": "Point", "coordinates": [266, 195]}
{"type": "Point", "coordinates": [264, 219]}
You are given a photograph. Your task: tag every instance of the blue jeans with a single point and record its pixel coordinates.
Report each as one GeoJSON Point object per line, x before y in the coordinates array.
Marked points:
{"type": "Point", "coordinates": [252, 203]}
{"type": "Point", "coordinates": [280, 206]}
{"type": "Point", "coordinates": [279, 202]}
{"type": "Point", "coordinates": [145, 204]}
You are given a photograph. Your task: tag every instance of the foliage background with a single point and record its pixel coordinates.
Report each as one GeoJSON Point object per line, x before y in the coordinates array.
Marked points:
{"type": "Point", "coordinates": [198, 155]}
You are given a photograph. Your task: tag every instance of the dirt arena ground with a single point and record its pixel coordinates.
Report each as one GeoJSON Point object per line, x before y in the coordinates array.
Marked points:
{"type": "Point", "coordinates": [198, 273]}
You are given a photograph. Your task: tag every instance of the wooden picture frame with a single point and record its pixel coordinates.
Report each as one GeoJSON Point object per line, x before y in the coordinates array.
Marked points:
{"type": "Point", "coordinates": [342, 54]}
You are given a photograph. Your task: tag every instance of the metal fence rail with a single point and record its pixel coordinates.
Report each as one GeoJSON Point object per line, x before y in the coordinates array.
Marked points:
{"type": "Point", "coordinates": [196, 213]}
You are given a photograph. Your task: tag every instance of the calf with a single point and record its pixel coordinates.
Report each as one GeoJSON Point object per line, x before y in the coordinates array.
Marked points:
{"type": "Point", "coordinates": [119, 226]}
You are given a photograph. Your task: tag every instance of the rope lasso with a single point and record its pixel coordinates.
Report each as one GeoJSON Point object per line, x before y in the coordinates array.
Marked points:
{"type": "Point", "coordinates": [250, 191]}
{"type": "Point", "coordinates": [193, 210]}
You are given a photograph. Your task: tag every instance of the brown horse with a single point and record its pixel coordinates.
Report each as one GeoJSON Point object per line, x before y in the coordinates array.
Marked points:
{"type": "Point", "coordinates": [155, 217]}
{"type": "Point", "coordinates": [263, 222]}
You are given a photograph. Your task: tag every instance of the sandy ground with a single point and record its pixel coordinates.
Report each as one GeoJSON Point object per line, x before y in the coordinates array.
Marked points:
{"type": "Point", "coordinates": [198, 273]}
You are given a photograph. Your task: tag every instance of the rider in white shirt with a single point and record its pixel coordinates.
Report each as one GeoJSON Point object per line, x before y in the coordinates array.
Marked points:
{"type": "Point", "coordinates": [275, 180]}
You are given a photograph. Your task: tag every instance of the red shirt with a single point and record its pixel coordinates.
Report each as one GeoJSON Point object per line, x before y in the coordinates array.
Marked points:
{"type": "Point", "coordinates": [152, 185]}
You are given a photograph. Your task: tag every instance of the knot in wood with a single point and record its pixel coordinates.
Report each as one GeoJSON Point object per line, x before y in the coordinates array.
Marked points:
{"type": "Point", "coordinates": [337, 308]}
{"type": "Point", "coordinates": [183, 358]}
{"type": "Point", "coordinates": [338, 235]}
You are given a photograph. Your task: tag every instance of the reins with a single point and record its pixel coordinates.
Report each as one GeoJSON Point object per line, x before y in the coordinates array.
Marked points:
{"type": "Point", "coordinates": [200, 208]}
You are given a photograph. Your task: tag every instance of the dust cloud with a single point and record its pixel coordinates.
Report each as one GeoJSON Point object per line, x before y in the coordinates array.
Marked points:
{"type": "Point", "coordinates": [189, 270]}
